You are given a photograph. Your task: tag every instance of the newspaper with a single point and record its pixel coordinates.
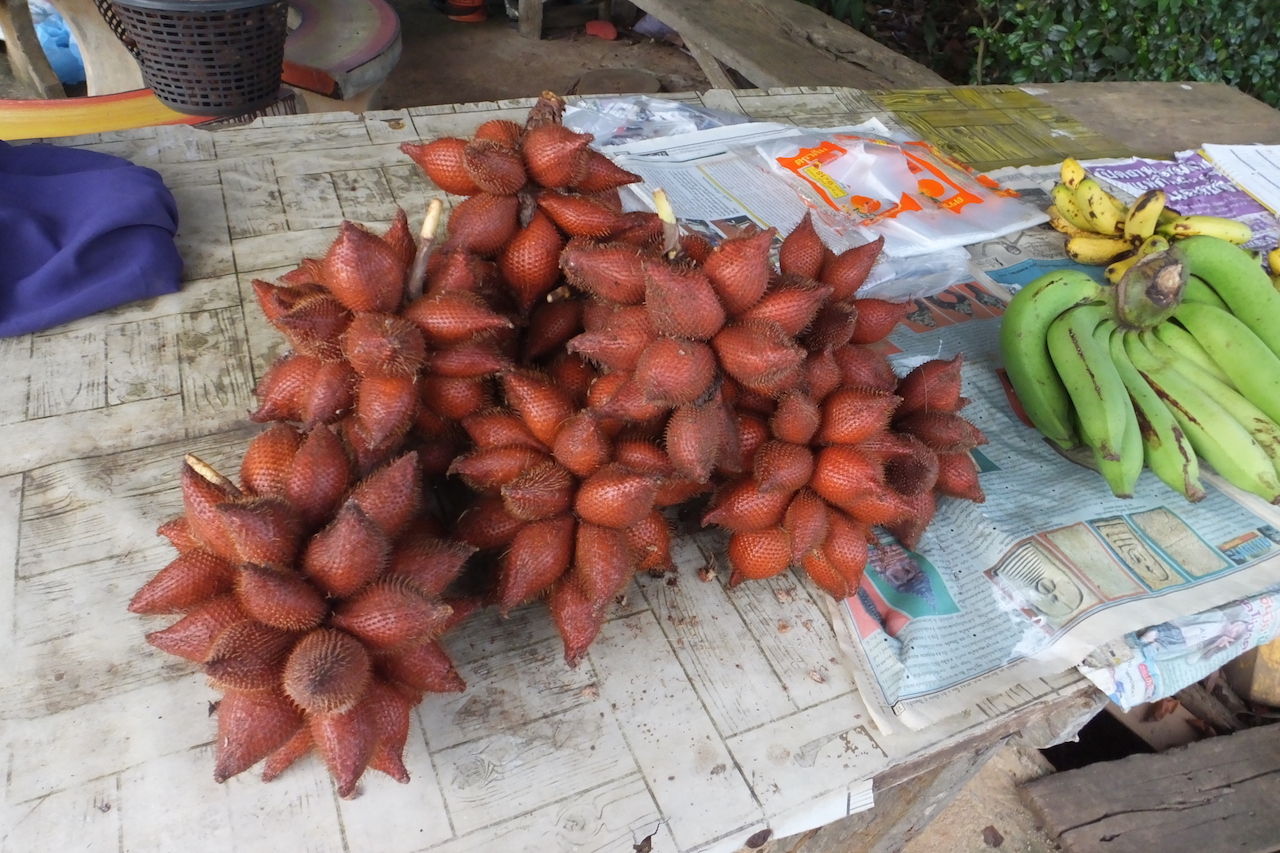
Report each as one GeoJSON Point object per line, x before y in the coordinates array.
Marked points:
{"type": "Point", "coordinates": [1051, 567]}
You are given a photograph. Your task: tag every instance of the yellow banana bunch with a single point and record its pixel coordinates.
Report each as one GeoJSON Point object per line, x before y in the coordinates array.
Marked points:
{"type": "Point", "coordinates": [1103, 230]}
{"type": "Point", "coordinates": [1191, 379]}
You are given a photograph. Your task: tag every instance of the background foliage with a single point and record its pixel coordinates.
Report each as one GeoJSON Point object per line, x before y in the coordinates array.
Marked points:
{"type": "Point", "coordinates": [1050, 41]}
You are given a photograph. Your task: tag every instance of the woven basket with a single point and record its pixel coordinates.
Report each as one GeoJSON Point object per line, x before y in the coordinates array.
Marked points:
{"type": "Point", "coordinates": [204, 57]}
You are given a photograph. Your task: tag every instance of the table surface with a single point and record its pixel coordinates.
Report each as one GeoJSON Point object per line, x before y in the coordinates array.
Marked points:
{"type": "Point", "coordinates": [701, 714]}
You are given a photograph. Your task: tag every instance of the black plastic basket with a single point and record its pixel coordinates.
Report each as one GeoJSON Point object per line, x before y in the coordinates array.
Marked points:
{"type": "Point", "coordinates": [205, 57]}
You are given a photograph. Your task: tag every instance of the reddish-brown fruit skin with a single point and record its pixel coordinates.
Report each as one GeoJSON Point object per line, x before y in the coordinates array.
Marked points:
{"type": "Point", "coordinates": [192, 577]}
{"type": "Point", "coordinates": [455, 398]}
{"type": "Point", "coordinates": [428, 561]}
{"type": "Point", "coordinates": [611, 271]}
{"type": "Point", "coordinates": [932, 387]}
{"type": "Point", "coordinates": [596, 173]}
{"type": "Point", "coordinates": [876, 319]}
{"type": "Point", "coordinates": [362, 272]}
{"type": "Point", "coordinates": [192, 637]}
{"type": "Point", "coordinates": [248, 656]}
{"type": "Point", "coordinates": [345, 741]}
{"type": "Point", "coordinates": [958, 477]}
{"type": "Point", "coordinates": [472, 360]}
{"type": "Point", "coordinates": [682, 303]}
{"type": "Point", "coordinates": [882, 506]}
{"type": "Point", "coordinates": [752, 432]}
{"type": "Point", "coordinates": [280, 598]}
{"type": "Point", "coordinates": [739, 270]}
{"type": "Point", "coordinates": [320, 476]}
{"type": "Point", "coordinates": [581, 445]}
{"type": "Point", "coordinates": [494, 467]}
{"type": "Point", "coordinates": [346, 555]}
{"type": "Point", "coordinates": [602, 561]}
{"type": "Point", "coordinates": [390, 613]}
{"type": "Point", "coordinates": [250, 727]}
{"type": "Point", "coordinates": [694, 439]}
{"type": "Point", "coordinates": [863, 367]}
{"type": "Point", "coordinates": [577, 618]}
{"type": "Point", "coordinates": [842, 473]}
{"type": "Point", "coordinates": [833, 326]}
{"type": "Point", "coordinates": [552, 154]}
{"type": "Point", "coordinates": [759, 554]}
{"type": "Point", "coordinates": [615, 497]}
{"type": "Point", "coordinates": [802, 250]}
{"type": "Point", "coordinates": [780, 466]}
{"type": "Point", "coordinates": [421, 666]}
{"type": "Point", "coordinates": [501, 130]}
{"type": "Point", "coordinates": [392, 495]}
{"type": "Point", "coordinates": [262, 530]}
{"type": "Point", "coordinates": [453, 317]}
{"type": "Point", "coordinates": [846, 547]}
{"type": "Point", "coordinates": [499, 427]}
{"type": "Point", "coordinates": [741, 506]}
{"type": "Point", "coordinates": [797, 418]}
{"type": "Point", "coordinates": [383, 345]}
{"type": "Point", "coordinates": [852, 415]}
{"type": "Point", "coordinates": [650, 541]}
{"type": "Point", "coordinates": [819, 568]}
{"type": "Point", "coordinates": [909, 529]}
{"type": "Point", "coordinates": [483, 224]}
{"type": "Point", "coordinates": [579, 215]}
{"type": "Point", "coordinates": [442, 161]}
{"type": "Point", "coordinates": [806, 519]}
{"type": "Point", "coordinates": [542, 491]}
{"type": "Point", "coordinates": [493, 167]}
{"type": "Point", "coordinates": [384, 408]}
{"type": "Point", "coordinates": [200, 501]}
{"type": "Point", "coordinates": [178, 532]}
{"type": "Point", "coordinates": [792, 305]}
{"type": "Point", "coordinates": [942, 431]}
{"type": "Point", "coordinates": [487, 524]}
{"type": "Point", "coordinates": [759, 355]}
{"type": "Point", "coordinates": [314, 326]}
{"type": "Point", "coordinates": [822, 373]}
{"type": "Point", "coordinates": [540, 553]}
{"type": "Point", "coordinates": [673, 371]}
{"type": "Point", "coordinates": [542, 406]}
{"type": "Point", "coordinates": [847, 271]}
{"type": "Point", "coordinates": [551, 326]}
{"type": "Point", "coordinates": [268, 459]}
{"type": "Point", "coordinates": [530, 263]}
{"type": "Point", "coordinates": [617, 339]}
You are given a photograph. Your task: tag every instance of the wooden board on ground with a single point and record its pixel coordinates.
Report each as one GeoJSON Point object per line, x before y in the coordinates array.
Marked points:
{"type": "Point", "coordinates": [786, 43]}
{"type": "Point", "coordinates": [1216, 794]}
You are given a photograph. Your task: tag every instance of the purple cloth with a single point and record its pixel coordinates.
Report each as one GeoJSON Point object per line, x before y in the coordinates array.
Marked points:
{"type": "Point", "coordinates": [80, 232]}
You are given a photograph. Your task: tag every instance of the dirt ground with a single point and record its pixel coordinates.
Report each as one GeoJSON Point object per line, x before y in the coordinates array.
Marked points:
{"type": "Point", "coordinates": [448, 62]}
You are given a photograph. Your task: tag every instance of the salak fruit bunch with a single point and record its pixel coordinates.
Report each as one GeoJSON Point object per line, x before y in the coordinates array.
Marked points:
{"type": "Point", "coordinates": [1177, 363]}
{"type": "Point", "coordinates": [551, 379]}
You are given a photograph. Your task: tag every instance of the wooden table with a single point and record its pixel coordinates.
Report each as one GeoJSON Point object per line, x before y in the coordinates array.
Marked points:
{"type": "Point", "coordinates": [695, 718]}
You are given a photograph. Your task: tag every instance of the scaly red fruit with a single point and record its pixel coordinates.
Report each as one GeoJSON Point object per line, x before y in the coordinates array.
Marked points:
{"type": "Point", "coordinates": [487, 523]}
{"type": "Point", "coordinates": [279, 598]}
{"type": "Point", "coordinates": [847, 271]}
{"type": "Point", "coordinates": [759, 355]}
{"type": "Point", "coordinates": [682, 303]}
{"type": "Point", "coordinates": [742, 506]}
{"type": "Point", "coordinates": [758, 554]}
{"type": "Point", "coordinates": [453, 317]}
{"type": "Point", "coordinates": [832, 327]}
{"type": "Point", "coordinates": [542, 491]}
{"type": "Point", "coordinates": [602, 561]}
{"type": "Point", "coordinates": [932, 387]}
{"type": "Point", "coordinates": [781, 466]}
{"type": "Point", "coordinates": [796, 419]}
{"type": "Point", "coordinates": [320, 476]}
{"type": "Point", "coordinates": [383, 345]}
{"type": "Point", "coordinates": [192, 637]}
{"type": "Point", "coordinates": [443, 161]}
{"type": "Point", "coordinates": [942, 431]}
{"type": "Point", "coordinates": [863, 367]}
{"type": "Point", "coordinates": [472, 360]}
{"type": "Point", "coordinates": [581, 445]}
{"type": "Point", "coordinates": [551, 326]}
{"type": "Point", "coordinates": [842, 473]}
{"type": "Point", "coordinates": [315, 325]}
{"type": "Point", "coordinates": [597, 173]}
{"type": "Point", "coordinates": [615, 497]}
{"type": "Point", "coordinates": [577, 619]}
{"type": "Point", "coordinates": [268, 460]}
{"type": "Point", "coordinates": [673, 371]}
{"type": "Point", "coordinates": [739, 270]}
{"type": "Point", "coordinates": [610, 271]}
{"type": "Point", "coordinates": [348, 554]}
{"type": "Point", "coordinates": [483, 224]}
{"type": "Point", "coordinates": [694, 440]}
{"type": "Point", "coordinates": [540, 553]}
{"type": "Point", "coordinates": [792, 304]}
{"type": "Point", "coordinates": [650, 541]}
{"type": "Point", "coordinates": [420, 666]}
{"type": "Point", "coordinates": [911, 527]}
{"type": "Point", "coordinates": [192, 577]}
{"type": "Point", "coordinates": [542, 406]}
{"type": "Point", "coordinates": [250, 727]}
{"type": "Point", "coordinates": [852, 415]}
{"type": "Point", "coordinates": [493, 167]}
{"type": "Point", "coordinates": [362, 272]}
{"type": "Point", "coordinates": [247, 656]}
{"type": "Point", "coordinates": [958, 477]}
{"type": "Point", "coordinates": [802, 250]}
{"type": "Point", "coordinates": [876, 319]}
{"type": "Point", "coordinates": [580, 215]}
{"type": "Point", "coordinates": [552, 154]}
{"type": "Point", "coordinates": [384, 409]}
{"type": "Point", "coordinates": [455, 397]}
{"type": "Point", "coordinates": [617, 341]}
{"type": "Point", "coordinates": [807, 521]}
{"type": "Point", "coordinates": [530, 263]}
{"type": "Point", "coordinates": [501, 130]}
{"type": "Point", "coordinates": [498, 427]}
{"type": "Point", "coordinates": [494, 467]}
{"type": "Point", "coordinates": [390, 613]}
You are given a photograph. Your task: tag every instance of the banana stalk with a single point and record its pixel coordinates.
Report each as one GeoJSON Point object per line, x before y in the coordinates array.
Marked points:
{"type": "Point", "coordinates": [1150, 289]}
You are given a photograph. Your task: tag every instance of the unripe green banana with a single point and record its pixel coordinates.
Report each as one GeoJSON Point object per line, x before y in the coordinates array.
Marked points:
{"type": "Point", "coordinates": [1026, 355]}
{"type": "Point", "coordinates": [1197, 291]}
{"type": "Point", "coordinates": [1105, 211]}
{"type": "Point", "coordinates": [1218, 438]}
{"type": "Point", "coordinates": [1143, 216]}
{"type": "Point", "coordinates": [1072, 173]}
{"type": "Point", "coordinates": [1095, 388]}
{"type": "Point", "coordinates": [1236, 277]}
{"type": "Point", "coordinates": [1264, 430]}
{"type": "Point", "coordinates": [1180, 341]}
{"type": "Point", "coordinates": [1097, 250]}
{"type": "Point", "coordinates": [1166, 450]}
{"type": "Point", "coordinates": [1231, 230]}
{"type": "Point", "coordinates": [1121, 474]}
{"type": "Point", "coordinates": [1065, 201]}
{"type": "Point", "coordinates": [1253, 368]}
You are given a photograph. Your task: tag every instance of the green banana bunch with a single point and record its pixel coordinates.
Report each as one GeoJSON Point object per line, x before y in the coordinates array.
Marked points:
{"type": "Point", "coordinates": [1027, 361]}
{"type": "Point", "coordinates": [1174, 365]}
{"type": "Point", "coordinates": [1103, 230]}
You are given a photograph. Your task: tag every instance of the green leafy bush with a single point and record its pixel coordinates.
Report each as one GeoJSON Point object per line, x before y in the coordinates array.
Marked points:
{"type": "Point", "coordinates": [1052, 41]}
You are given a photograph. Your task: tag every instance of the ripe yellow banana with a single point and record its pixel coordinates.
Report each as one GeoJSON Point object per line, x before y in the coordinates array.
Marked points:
{"type": "Point", "coordinates": [1230, 230]}
{"type": "Point", "coordinates": [1151, 245]}
{"type": "Point", "coordinates": [1273, 261]}
{"type": "Point", "coordinates": [1097, 393]}
{"type": "Point", "coordinates": [1096, 249]}
{"type": "Point", "coordinates": [1105, 211]}
{"type": "Point", "coordinates": [1064, 200]}
{"type": "Point", "coordinates": [1059, 223]}
{"type": "Point", "coordinates": [1218, 438]}
{"type": "Point", "coordinates": [1026, 354]}
{"type": "Point", "coordinates": [1072, 173]}
{"type": "Point", "coordinates": [1143, 216]}
{"type": "Point", "coordinates": [1165, 447]}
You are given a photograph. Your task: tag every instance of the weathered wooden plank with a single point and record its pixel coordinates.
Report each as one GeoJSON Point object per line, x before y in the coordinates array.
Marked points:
{"type": "Point", "coordinates": [254, 254]}
{"type": "Point", "coordinates": [310, 201]}
{"type": "Point", "coordinates": [723, 661]}
{"type": "Point", "coordinates": [217, 377]}
{"type": "Point", "coordinates": [10, 507]}
{"type": "Point", "coordinates": [412, 190]}
{"type": "Point", "coordinates": [613, 817]}
{"type": "Point", "coordinates": [364, 195]}
{"type": "Point", "coordinates": [511, 771]}
{"type": "Point", "coordinates": [142, 360]}
{"type": "Point", "coordinates": [336, 159]}
{"type": "Point", "coordinates": [172, 799]}
{"type": "Point", "coordinates": [505, 689]}
{"type": "Point", "coordinates": [390, 126]}
{"type": "Point", "coordinates": [87, 818]}
{"type": "Point", "coordinates": [252, 141]}
{"type": "Point", "coordinates": [183, 144]}
{"type": "Point", "coordinates": [87, 433]}
{"type": "Point", "coordinates": [669, 731]}
{"type": "Point", "coordinates": [266, 344]}
{"type": "Point", "coordinates": [462, 123]}
{"type": "Point", "coordinates": [15, 355]}
{"type": "Point", "coordinates": [786, 43]}
{"type": "Point", "coordinates": [203, 239]}
{"type": "Point", "coordinates": [1216, 794]}
{"type": "Point", "coordinates": [795, 636]}
{"type": "Point", "coordinates": [253, 200]}
{"type": "Point", "coordinates": [68, 373]}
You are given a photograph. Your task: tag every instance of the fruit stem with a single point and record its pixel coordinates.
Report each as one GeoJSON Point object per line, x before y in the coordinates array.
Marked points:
{"type": "Point", "coordinates": [427, 239]}
{"type": "Point", "coordinates": [670, 228]}
{"type": "Point", "coordinates": [204, 469]}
